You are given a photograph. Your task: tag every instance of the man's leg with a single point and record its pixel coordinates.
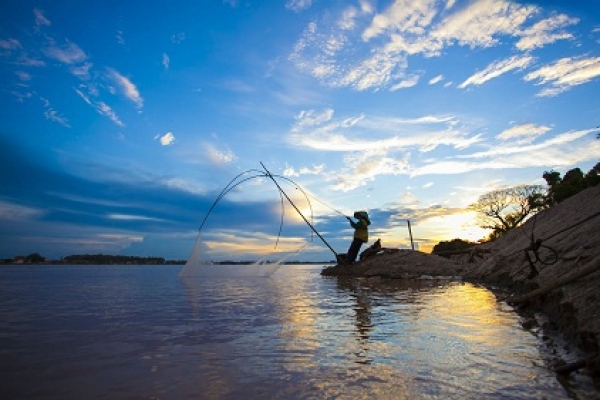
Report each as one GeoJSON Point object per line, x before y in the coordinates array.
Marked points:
{"type": "Point", "coordinates": [353, 250]}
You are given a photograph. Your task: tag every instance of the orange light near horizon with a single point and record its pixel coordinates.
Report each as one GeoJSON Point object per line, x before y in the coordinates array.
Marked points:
{"type": "Point", "coordinates": [458, 226]}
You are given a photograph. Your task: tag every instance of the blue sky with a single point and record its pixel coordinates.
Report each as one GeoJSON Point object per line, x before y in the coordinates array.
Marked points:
{"type": "Point", "coordinates": [122, 121]}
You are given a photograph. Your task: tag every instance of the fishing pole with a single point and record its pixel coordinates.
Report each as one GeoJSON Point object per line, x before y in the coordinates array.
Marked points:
{"type": "Point", "coordinates": [327, 205]}
{"type": "Point", "coordinates": [297, 210]}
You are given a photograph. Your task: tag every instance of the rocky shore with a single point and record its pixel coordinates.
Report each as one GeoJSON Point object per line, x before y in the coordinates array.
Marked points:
{"type": "Point", "coordinates": [549, 269]}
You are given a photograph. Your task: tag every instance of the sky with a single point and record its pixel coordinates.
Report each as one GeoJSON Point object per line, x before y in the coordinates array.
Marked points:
{"type": "Point", "coordinates": [123, 121]}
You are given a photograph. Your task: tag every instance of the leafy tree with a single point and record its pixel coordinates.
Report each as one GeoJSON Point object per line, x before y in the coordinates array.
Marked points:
{"type": "Point", "coordinates": [34, 258]}
{"type": "Point", "coordinates": [453, 245]}
{"type": "Point", "coordinates": [574, 181]}
{"type": "Point", "coordinates": [593, 176]}
{"type": "Point", "coordinates": [505, 209]}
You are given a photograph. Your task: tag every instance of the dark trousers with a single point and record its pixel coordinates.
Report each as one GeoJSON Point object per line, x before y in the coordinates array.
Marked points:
{"type": "Point", "coordinates": [353, 250]}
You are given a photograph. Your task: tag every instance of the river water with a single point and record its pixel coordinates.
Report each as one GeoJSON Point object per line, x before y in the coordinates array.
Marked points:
{"type": "Point", "coordinates": [144, 332]}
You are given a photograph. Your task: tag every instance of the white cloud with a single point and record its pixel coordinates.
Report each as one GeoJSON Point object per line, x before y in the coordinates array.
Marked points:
{"type": "Point", "coordinates": [543, 32]}
{"type": "Point", "coordinates": [166, 139]}
{"type": "Point", "coordinates": [565, 73]}
{"type": "Point", "coordinates": [334, 53]}
{"type": "Point", "coordinates": [498, 68]}
{"type": "Point", "coordinates": [104, 109]}
{"type": "Point", "coordinates": [311, 118]}
{"type": "Point", "coordinates": [436, 79]}
{"type": "Point", "coordinates": [127, 87]}
{"type": "Point", "coordinates": [480, 23]}
{"type": "Point", "coordinates": [362, 168]}
{"type": "Point", "coordinates": [314, 170]}
{"type": "Point", "coordinates": [409, 81]}
{"type": "Point", "coordinates": [568, 149]}
{"type": "Point", "coordinates": [166, 60]}
{"type": "Point", "coordinates": [524, 132]}
{"type": "Point", "coordinates": [402, 16]}
{"type": "Point", "coordinates": [219, 157]}
{"type": "Point", "coordinates": [323, 132]}
{"type": "Point", "coordinates": [130, 217]}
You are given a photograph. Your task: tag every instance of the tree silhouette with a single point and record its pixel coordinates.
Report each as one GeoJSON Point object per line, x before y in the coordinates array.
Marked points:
{"type": "Point", "coordinates": [505, 209]}
{"type": "Point", "coordinates": [453, 245]}
{"type": "Point", "coordinates": [574, 181]}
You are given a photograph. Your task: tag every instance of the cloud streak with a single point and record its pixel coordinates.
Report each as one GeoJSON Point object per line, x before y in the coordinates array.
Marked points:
{"type": "Point", "coordinates": [565, 73]}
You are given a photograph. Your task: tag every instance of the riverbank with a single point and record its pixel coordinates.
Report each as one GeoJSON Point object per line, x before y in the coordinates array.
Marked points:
{"type": "Point", "coordinates": [549, 268]}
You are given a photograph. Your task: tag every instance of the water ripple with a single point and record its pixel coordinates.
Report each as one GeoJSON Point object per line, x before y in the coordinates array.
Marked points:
{"type": "Point", "coordinates": [144, 332]}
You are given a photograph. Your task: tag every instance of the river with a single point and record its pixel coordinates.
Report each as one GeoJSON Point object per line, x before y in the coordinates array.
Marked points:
{"type": "Point", "coordinates": [145, 332]}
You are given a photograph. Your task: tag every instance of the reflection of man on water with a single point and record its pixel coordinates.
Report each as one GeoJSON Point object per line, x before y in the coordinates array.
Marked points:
{"type": "Point", "coordinates": [362, 308]}
{"type": "Point", "coordinates": [361, 234]}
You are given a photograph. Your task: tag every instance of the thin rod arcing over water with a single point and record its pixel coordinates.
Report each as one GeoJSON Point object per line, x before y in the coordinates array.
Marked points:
{"type": "Point", "coordinates": [297, 210]}
{"type": "Point", "coordinates": [257, 174]}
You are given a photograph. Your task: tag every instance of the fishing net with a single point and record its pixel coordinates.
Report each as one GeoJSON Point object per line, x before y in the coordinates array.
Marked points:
{"type": "Point", "coordinates": [199, 265]}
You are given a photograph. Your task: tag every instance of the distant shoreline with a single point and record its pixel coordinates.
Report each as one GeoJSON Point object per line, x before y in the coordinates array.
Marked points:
{"type": "Point", "coordinates": [166, 263]}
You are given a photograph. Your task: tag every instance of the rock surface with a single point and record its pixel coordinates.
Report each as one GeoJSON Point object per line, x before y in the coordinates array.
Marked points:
{"type": "Point", "coordinates": [559, 280]}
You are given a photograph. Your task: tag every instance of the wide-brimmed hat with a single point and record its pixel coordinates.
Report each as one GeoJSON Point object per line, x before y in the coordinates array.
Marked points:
{"type": "Point", "coordinates": [362, 215]}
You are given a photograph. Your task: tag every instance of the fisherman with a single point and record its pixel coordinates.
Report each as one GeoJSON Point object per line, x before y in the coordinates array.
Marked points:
{"type": "Point", "coordinates": [361, 234]}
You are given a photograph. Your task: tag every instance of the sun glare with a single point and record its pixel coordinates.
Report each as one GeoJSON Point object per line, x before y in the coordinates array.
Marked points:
{"type": "Point", "coordinates": [458, 226]}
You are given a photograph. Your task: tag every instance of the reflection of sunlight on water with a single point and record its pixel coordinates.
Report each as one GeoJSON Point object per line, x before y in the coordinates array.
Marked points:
{"type": "Point", "coordinates": [302, 336]}
{"type": "Point", "coordinates": [469, 312]}
{"type": "Point", "coordinates": [149, 333]}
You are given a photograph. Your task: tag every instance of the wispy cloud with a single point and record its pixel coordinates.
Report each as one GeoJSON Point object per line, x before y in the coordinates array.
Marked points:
{"type": "Point", "coordinates": [166, 60]}
{"type": "Point", "coordinates": [127, 87]}
{"type": "Point", "coordinates": [53, 115]}
{"type": "Point", "coordinates": [81, 71]}
{"type": "Point", "coordinates": [409, 81]}
{"type": "Point", "coordinates": [565, 73]}
{"type": "Point", "coordinates": [130, 217]}
{"type": "Point", "coordinates": [40, 18]}
{"type": "Point", "coordinates": [524, 132]}
{"type": "Point", "coordinates": [219, 156]}
{"type": "Point", "coordinates": [498, 68]}
{"type": "Point", "coordinates": [436, 79]}
{"type": "Point", "coordinates": [290, 171]}
{"type": "Point", "coordinates": [298, 5]}
{"type": "Point", "coordinates": [24, 76]}
{"type": "Point", "coordinates": [178, 37]}
{"type": "Point", "coordinates": [67, 53]}
{"type": "Point", "coordinates": [11, 211]}
{"type": "Point", "coordinates": [100, 107]}
{"type": "Point", "coordinates": [321, 131]}
{"type": "Point", "coordinates": [9, 44]}
{"type": "Point", "coordinates": [569, 148]}
{"type": "Point", "coordinates": [375, 146]}
{"type": "Point", "coordinates": [545, 32]}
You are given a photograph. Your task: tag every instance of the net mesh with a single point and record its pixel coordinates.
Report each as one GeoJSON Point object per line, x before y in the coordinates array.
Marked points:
{"type": "Point", "coordinates": [198, 265]}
